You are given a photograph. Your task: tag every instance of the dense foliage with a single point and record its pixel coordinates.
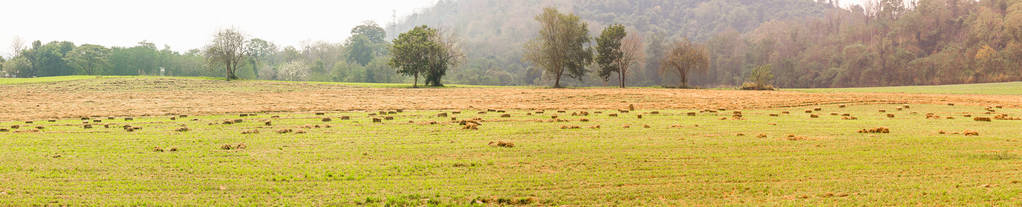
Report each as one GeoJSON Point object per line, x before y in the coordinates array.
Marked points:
{"type": "Point", "coordinates": [425, 52]}
{"type": "Point", "coordinates": [562, 47]}
{"type": "Point", "coordinates": [806, 43]}
{"type": "Point", "coordinates": [362, 58]}
{"type": "Point", "coordinates": [494, 31]}
{"type": "Point", "coordinates": [885, 42]}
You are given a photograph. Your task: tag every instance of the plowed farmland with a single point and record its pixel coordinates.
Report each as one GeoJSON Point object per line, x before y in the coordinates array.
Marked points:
{"type": "Point", "coordinates": [161, 96]}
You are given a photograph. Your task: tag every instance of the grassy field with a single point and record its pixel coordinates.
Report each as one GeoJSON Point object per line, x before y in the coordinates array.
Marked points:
{"type": "Point", "coordinates": [1009, 88]}
{"type": "Point", "coordinates": [679, 160]}
{"type": "Point", "coordinates": [52, 79]}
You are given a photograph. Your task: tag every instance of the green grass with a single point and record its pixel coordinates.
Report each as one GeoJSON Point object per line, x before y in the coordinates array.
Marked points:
{"type": "Point", "coordinates": [52, 79]}
{"type": "Point", "coordinates": [702, 161]}
{"type": "Point", "coordinates": [8, 81]}
{"type": "Point", "coordinates": [1008, 88]}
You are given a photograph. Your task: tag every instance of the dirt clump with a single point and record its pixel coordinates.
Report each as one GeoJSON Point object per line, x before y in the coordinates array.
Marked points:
{"type": "Point", "coordinates": [878, 130]}
{"type": "Point", "coordinates": [970, 133]}
{"type": "Point", "coordinates": [470, 126]}
{"type": "Point", "coordinates": [792, 137]}
{"type": "Point", "coordinates": [238, 146]}
{"type": "Point", "coordinates": [506, 144]}
{"type": "Point", "coordinates": [1006, 117]}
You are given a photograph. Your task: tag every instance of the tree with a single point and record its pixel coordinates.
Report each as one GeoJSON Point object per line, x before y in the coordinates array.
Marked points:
{"type": "Point", "coordinates": [227, 50]}
{"type": "Point", "coordinates": [684, 57]}
{"type": "Point", "coordinates": [17, 46]}
{"type": "Point", "coordinates": [444, 55]}
{"type": "Point", "coordinates": [15, 66]}
{"type": "Point", "coordinates": [633, 52]}
{"type": "Point", "coordinates": [410, 52]}
{"type": "Point", "coordinates": [257, 50]}
{"type": "Point", "coordinates": [365, 43]}
{"type": "Point", "coordinates": [88, 59]}
{"type": "Point", "coordinates": [294, 71]}
{"type": "Point", "coordinates": [424, 51]}
{"type": "Point", "coordinates": [371, 31]}
{"type": "Point", "coordinates": [561, 46]}
{"type": "Point", "coordinates": [760, 78]}
{"type": "Point", "coordinates": [608, 51]}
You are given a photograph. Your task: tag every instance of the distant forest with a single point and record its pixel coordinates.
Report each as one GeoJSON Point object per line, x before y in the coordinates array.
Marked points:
{"type": "Point", "coordinates": [804, 43]}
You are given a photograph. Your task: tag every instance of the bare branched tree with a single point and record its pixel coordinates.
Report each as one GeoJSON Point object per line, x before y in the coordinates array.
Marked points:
{"type": "Point", "coordinates": [17, 46]}
{"type": "Point", "coordinates": [448, 56]}
{"type": "Point", "coordinates": [633, 54]}
{"type": "Point", "coordinates": [684, 57]}
{"type": "Point", "coordinates": [227, 50]}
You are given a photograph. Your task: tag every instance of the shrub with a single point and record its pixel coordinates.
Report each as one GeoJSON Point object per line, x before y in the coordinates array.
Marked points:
{"type": "Point", "coordinates": [756, 87]}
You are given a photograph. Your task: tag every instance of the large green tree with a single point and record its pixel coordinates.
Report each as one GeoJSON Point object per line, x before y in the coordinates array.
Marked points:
{"type": "Point", "coordinates": [608, 50]}
{"type": "Point", "coordinates": [15, 66]}
{"type": "Point", "coordinates": [47, 59]}
{"type": "Point", "coordinates": [366, 42]}
{"type": "Point", "coordinates": [259, 50]}
{"type": "Point", "coordinates": [88, 59]}
{"type": "Point", "coordinates": [424, 51]}
{"type": "Point", "coordinates": [562, 47]}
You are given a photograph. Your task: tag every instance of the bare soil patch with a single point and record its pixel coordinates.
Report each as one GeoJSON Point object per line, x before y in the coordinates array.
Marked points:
{"type": "Point", "coordinates": [155, 96]}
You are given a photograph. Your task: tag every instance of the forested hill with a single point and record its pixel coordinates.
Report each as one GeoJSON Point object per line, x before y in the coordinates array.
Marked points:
{"type": "Point", "coordinates": [493, 31]}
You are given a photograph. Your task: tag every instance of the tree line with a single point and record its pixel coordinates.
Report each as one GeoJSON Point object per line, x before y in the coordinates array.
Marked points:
{"type": "Point", "coordinates": [803, 44]}
{"type": "Point", "coordinates": [494, 33]}
{"type": "Point", "coordinates": [794, 43]}
{"type": "Point", "coordinates": [563, 47]}
{"type": "Point", "coordinates": [881, 43]}
{"type": "Point", "coordinates": [363, 57]}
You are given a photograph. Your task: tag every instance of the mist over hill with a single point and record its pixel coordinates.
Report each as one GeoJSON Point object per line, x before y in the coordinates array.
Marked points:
{"type": "Point", "coordinates": [805, 43]}
{"type": "Point", "coordinates": [493, 31]}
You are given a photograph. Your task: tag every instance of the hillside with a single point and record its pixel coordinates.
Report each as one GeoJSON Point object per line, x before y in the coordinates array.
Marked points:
{"type": "Point", "coordinates": [807, 44]}
{"type": "Point", "coordinates": [493, 31]}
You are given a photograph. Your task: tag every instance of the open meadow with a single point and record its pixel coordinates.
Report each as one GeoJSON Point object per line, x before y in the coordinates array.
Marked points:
{"type": "Point", "coordinates": [199, 142]}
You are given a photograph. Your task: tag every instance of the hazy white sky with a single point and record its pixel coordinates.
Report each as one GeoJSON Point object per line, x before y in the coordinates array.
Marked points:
{"type": "Point", "coordinates": [189, 24]}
